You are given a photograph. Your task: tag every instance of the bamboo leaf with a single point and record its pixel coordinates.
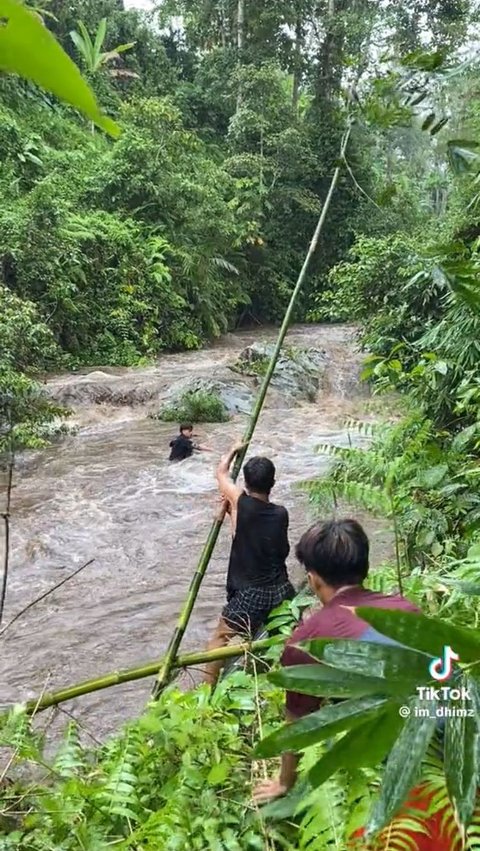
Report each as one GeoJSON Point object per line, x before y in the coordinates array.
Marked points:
{"type": "Point", "coordinates": [371, 659]}
{"type": "Point", "coordinates": [427, 635]}
{"type": "Point", "coordinates": [403, 767]}
{"type": "Point", "coordinates": [29, 49]}
{"type": "Point", "coordinates": [324, 681]}
{"type": "Point", "coordinates": [364, 746]}
{"type": "Point", "coordinates": [320, 725]}
{"type": "Point", "coordinates": [461, 759]}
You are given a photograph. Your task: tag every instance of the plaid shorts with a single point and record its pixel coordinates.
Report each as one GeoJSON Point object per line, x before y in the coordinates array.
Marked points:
{"type": "Point", "coordinates": [247, 610]}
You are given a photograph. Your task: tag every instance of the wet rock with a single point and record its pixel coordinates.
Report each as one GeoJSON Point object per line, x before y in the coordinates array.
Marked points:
{"type": "Point", "coordinates": [100, 388]}
{"type": "Point", "coordinates": [299, 373]}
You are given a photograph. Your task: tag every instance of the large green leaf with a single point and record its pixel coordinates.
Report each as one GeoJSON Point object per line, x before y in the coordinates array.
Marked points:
{"type": "Point", "coordinates": [430, 477]}
{"type": "Point", "coordinates": [328, 721]}
{"type": "Point", "coordinates": [29, 49]}
{"type": "Point", "coordinates": [324, 681]}
{"type": "Point", "coordinates": [364, 746]}
{"type": "Point", "coordinates": [371, 659]}
{"type": "Point", "coordinates": [461, 757]}
{"type": "Point", "coordinates": [428, 635]}
{"type": "Point", "coordinates": [403, 766]}
{"type": "Point", "coordinates": [100, 37]}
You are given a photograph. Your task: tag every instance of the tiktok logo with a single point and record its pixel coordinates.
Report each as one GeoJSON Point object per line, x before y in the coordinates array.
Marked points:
{"type": "Point", "coordinates": [441, 668]}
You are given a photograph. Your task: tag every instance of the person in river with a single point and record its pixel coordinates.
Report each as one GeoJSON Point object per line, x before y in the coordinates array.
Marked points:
{"type": "Point", "coordinates": [335, 555]}
{"type": "Point", "coordinates": [257, 579]}
{"type": "Point", "coordinates": [183, 446]}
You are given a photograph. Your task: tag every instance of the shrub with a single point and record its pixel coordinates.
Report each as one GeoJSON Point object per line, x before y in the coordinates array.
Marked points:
{"type": "Point", "coordinates": [196, 406]}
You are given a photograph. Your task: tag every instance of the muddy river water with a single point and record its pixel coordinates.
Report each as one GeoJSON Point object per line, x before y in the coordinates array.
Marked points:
{"type": "Point", "coordinates": [108, 493]}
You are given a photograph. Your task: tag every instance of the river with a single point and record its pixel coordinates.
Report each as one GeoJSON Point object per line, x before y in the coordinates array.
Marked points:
{"type": "Point", "coordinates": [108, 493]}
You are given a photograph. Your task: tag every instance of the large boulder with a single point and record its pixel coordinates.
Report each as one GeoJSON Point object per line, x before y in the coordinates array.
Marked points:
{"type": "Point", "coordinates": [299, 373]}
{"type": "Point", "coordinates": [102, 388]}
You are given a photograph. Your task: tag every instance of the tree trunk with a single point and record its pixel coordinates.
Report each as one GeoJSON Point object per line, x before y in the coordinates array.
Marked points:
{"type": "Point", "coordinates": [240, 44]}
{"type": "Point", "coordinates": [297, 61]}
{"type": "Point", "coordinates": [330, 72]}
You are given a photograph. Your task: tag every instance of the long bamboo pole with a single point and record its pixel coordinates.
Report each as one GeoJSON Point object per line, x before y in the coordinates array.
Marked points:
{"type": "Point", "coordinates": [164, 673]}
{"type": "Point", "coordinates": [148, 670]}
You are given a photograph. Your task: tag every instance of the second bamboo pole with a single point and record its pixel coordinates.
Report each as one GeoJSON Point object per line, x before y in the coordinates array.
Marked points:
{"type": "Point", "coordinates": [149, 669]}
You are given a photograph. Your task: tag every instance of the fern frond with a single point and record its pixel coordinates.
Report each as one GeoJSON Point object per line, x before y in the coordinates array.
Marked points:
{"type": "Point", "coordinates": [364, 428]}
{"type": "Point", "coordinates": [119, 793]}
{"type": "Point", "coordinates": [322, 826]}
{"type": "Point", "coordinates": [69, 760]}
{"type": "Point", "coordinates": [16, 732]}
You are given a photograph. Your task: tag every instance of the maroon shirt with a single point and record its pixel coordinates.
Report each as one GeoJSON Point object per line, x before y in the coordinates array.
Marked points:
{"type": "Point", "coordinates": [334, 620]}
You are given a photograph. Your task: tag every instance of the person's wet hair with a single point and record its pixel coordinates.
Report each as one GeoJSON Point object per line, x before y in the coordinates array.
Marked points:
{"type": "Point", "coordinates": [259, 474]}
{"type": "Point", "coordinates": [186, 427]}
{"type": "Point", "coordinates": [337, 551]}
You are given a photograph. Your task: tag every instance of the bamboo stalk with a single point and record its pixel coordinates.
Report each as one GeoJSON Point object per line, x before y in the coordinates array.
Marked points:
{"type": "Point", "coordinates": [148, 670]}
{"type": "Point", "coordinates": [172, 650]}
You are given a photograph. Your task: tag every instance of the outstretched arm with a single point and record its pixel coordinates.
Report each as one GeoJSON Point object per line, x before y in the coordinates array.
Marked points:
{"type": "Point", "coordinates": [201, 447]}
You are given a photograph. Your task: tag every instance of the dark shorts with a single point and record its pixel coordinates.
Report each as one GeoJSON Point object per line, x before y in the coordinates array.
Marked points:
{"type": "Point", "coordinates": [248, 609]}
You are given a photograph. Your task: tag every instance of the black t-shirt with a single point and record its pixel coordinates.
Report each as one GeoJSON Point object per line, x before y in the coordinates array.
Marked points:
{"type": "Point", "coordinates": [182, 447]}
{"type": "Point", "coordinates": [260, 546]}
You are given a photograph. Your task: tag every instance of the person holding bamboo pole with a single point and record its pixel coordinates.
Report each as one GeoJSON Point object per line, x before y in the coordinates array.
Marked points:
{"type": "Point", "coordinates": [257, 579]}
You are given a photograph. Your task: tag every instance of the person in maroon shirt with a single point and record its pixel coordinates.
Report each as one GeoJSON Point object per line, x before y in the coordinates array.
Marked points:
{"type": "Point", "coordinates": [335, 555]}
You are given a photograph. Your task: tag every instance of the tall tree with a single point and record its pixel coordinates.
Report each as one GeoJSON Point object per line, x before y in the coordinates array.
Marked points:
{"type": "Point", "coordinates": [240, 45]}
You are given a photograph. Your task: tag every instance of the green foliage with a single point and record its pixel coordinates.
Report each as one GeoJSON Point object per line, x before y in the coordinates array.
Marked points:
{"type": "Point", "coordinates": [196, 406]}
{"type": "Point", "coordinates": [27, 419]}
{"type": "Point", "coordinates": [421, 478]}
{"type": "Point", "coordinates": [25, 341]}
{"type": "Point", "coordinates": [26, 416]}
{"type": "Point", "coordinates": [199, 217]}
{"type": "Point", "coordinates": [178, 776]}
{"type": "Point", "coordinates": [91, 51]}
{"type": "Point", "coordinates": [387, 678]}
{"type": "Point", "coordinates": [28, 49]}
